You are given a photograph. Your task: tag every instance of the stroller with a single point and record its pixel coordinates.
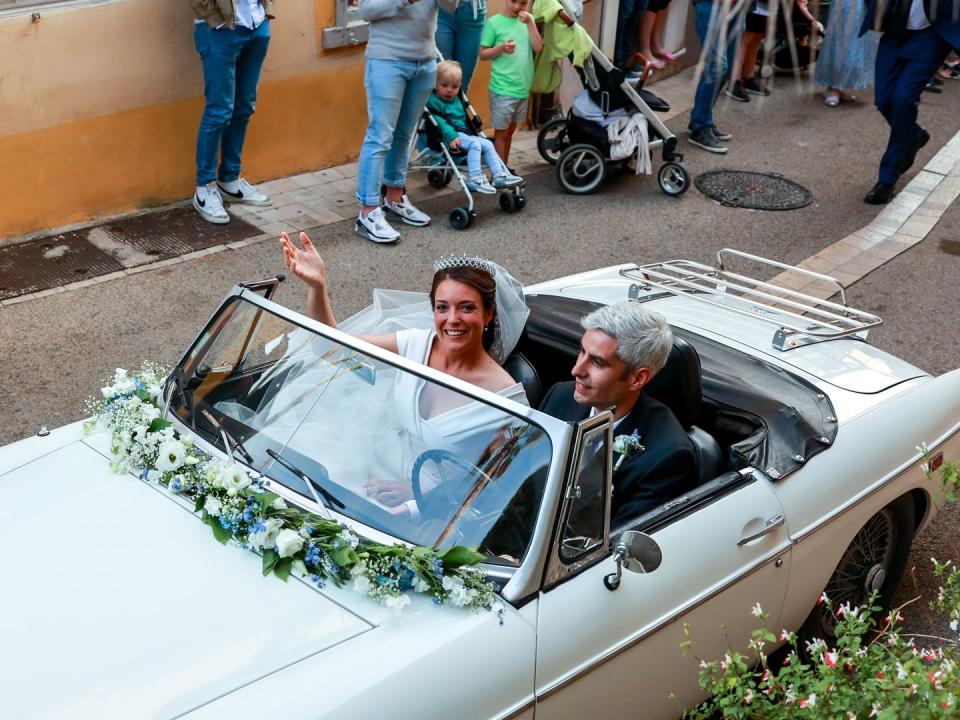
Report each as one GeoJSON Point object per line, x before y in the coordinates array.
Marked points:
{"type": "Point", "coordinates": [579, 147]}
{"type": "Point", "coordinates": [443, 164]}
{"type": "Point", "coordinates": [796, 43]}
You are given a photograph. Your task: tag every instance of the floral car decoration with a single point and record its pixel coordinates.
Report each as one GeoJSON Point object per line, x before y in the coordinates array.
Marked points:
{"type": "Point", "coordinates": [235, 504]}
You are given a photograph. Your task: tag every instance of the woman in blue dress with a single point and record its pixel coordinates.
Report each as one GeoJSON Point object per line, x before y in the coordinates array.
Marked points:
{"type": "Point", "coordinates": [846, 59]}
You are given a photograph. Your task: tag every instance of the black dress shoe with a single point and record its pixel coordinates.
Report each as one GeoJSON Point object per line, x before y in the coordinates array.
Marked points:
{"type": "Point", "coordinates": [881, 194]}
{"type": "Point", "coordinates": [932, 87]}
{"type": "Point", "coordinates": [919, 140]}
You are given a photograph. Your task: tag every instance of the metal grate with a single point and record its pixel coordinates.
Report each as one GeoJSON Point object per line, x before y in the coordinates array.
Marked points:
{"type": "Point", "coordinates": [753, 190]}
{"type": "Point", "coordinates": [51, 262]}
{"type": "Point", "coordinates": [63, 258]}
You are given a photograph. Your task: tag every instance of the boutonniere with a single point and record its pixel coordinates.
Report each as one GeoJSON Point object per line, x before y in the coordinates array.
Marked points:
{"type": "Point", "coordinates": [627, 446]}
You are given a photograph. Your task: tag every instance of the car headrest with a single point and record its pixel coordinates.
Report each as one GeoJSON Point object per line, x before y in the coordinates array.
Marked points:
{"type": "Point", "coordinates": [677, 385]}
{"type": "Point", "coordinates": [523, 372]}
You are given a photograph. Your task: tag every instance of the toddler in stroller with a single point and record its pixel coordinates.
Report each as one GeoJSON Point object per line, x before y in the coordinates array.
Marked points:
{"type": "Point", "coordinates": [453, 139]}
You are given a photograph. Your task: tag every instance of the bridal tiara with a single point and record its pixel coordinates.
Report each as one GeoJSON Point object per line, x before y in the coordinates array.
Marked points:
{"type": "Point", "coordinates": [446, 262]}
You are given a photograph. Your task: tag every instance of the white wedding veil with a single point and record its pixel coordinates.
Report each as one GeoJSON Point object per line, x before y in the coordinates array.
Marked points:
{"type": "Point", "coordinates": [394, 310]}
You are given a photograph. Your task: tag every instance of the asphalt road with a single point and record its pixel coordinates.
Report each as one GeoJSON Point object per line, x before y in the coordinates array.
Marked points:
{"type": "Point", "coordinates": [56, 351]}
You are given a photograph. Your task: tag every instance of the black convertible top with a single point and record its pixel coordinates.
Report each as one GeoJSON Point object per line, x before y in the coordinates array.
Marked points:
{"type": "Point", "coordinates": [775, 421]}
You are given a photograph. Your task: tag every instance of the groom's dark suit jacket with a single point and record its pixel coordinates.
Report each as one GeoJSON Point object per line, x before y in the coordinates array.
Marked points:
{"type": "Point", "coordinates": [665, 469]}
{"type": "Point", "coordinates": [944, 17]}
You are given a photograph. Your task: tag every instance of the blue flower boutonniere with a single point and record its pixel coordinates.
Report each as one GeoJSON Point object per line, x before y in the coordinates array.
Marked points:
{"type": "Point", "coordinates": [627, 446]}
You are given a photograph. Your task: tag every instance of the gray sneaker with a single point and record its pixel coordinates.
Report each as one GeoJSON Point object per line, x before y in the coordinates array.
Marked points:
{"type": "Point", "coordinates": [721, 134]}
{"type": "Point", "coordinates": [480, 185]}
{"type": "Point", "coordinates": [407, 212]}
{"type": "Point", "coordinates": [506, 179]}
{"type": "Point", "coordinates": [375, 227]}
{"type": "Point", "coordinates": [706, 139]}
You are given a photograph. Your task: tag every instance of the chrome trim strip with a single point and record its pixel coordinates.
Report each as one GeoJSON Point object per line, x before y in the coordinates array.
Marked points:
{"type": "Point", "coordinates": [642, 634]}
{"type": "Point", "coordinates": [518, 710]}
{"type": "Point", "coordinates": [874, 488]}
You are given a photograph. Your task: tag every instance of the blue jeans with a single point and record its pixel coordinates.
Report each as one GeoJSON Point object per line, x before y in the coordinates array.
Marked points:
{"type": "Point", "coordinates": [901, 74]}
{"type": "Point", "coordinates": [458, 36]}
{"type": "Point", "coordinates": [474, 147]}
{"type": "Point", "coordinates": [628, 19]}
{"type": "Point", "coordinates": [716, 63]}
{"type": "Point", "coordinates": [397, 91]}
{"type": "Point", "coordinates": [232, 60]}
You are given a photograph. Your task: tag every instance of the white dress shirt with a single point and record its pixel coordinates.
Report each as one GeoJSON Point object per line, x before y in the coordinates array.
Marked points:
{"type": "Point", "coordinates": [918, 16]}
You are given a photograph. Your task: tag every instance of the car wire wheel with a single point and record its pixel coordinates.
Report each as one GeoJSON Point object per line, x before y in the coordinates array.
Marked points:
{"type": "Point", "coordinates": [873, 562]}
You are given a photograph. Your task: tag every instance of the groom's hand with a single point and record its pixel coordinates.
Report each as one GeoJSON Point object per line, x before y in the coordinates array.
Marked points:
{"type": "Point", "coordinates": [389, 492]}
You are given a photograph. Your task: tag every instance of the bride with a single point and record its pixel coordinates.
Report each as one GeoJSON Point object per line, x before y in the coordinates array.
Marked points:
{"type": "Point", "coordinates": [474, 318]}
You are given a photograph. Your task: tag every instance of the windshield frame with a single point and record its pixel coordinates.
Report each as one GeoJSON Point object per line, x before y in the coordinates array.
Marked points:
{"type": "Point", "coordinates": [521, 580]}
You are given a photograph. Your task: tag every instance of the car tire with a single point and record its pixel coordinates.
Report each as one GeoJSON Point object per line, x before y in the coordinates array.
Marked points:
{"type": "Point", "coordinates": [874, 560]}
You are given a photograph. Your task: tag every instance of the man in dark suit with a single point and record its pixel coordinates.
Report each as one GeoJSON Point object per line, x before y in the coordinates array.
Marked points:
{"type": "Point", "coordinates": [917, 37]}
{"type": "Point", "coordinates": [623, 347]}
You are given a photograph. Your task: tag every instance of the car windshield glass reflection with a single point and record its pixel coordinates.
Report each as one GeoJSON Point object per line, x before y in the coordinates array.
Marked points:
{"type": "Point", "coordinates": [307, 411]}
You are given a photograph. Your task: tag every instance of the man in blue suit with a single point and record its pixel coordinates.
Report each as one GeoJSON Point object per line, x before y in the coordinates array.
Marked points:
{"type": "Point", "coordinates": [917, 37]}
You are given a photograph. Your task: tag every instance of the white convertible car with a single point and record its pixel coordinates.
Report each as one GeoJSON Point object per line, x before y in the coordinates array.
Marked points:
{"type": "Point", "coordinates": [117, 603]}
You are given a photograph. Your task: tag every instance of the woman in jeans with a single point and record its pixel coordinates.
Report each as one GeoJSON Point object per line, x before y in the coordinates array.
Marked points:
{"type": "Point", "coordinates": [458, 36]}
{"type": "Point", "coordinates": [400, 72]}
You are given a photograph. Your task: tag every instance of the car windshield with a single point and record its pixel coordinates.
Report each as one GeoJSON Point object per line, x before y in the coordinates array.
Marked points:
{"type": "Point", "coordinates": [337, 425]}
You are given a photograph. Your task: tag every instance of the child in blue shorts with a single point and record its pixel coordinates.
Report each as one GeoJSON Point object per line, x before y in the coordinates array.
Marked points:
{"type": "Point", "coordinates": [509, 39]}
{"type": "Point", "coordinates": [445, 106]}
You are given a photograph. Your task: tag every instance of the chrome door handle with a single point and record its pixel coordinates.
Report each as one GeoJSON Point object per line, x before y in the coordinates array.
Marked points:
{"type": "Point", "coordinates": [772, 524]}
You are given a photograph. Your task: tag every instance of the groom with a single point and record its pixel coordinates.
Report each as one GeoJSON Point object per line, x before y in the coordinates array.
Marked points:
{"type": "Point", "coordinates": [917, 37]}
{"type": "Point", "coordinates": [623, 347]}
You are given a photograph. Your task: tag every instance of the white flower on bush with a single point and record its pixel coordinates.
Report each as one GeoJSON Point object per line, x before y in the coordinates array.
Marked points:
{"type": "Point", "coordinates": [212, 506]}
{"type": "Point", "coordinates": [171, 457]}
{"type": "Point", "coordinates": [288, 543]}
{"type": "Point", "coordinates": [266, 539]}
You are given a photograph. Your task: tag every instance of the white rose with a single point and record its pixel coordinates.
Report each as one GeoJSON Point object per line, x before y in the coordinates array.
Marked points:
{"type": "Point", "coordinates": [107, 392]}
{"type": "Point", "coordinates": [278, 504]}
{"type": "Point", "coordinates": [289, 543]}
{"type": "Point", "coordinates": [171, 457]}
{"type": "Point", "coordinates": [362, 584]}
{"type": "Point", "coordinates": [266, 539]}
{"type": "Point", "coordinates": [398, 603]}
{"type": "Point", "coordinates": [234, 477]}
{"type": "Point", "coordinates": [212, 506]}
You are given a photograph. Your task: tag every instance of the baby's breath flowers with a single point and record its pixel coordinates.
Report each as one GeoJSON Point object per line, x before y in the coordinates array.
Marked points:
{"type": "Point", "coordinates": [233, 502]}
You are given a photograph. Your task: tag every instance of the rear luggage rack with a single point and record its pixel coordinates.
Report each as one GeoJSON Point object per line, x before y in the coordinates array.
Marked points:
{"type": "Point", "coordinates": [800, 318]}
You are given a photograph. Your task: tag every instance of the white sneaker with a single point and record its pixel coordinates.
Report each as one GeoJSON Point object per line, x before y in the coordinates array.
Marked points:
{"type": "Point", "coordinates": [506, 179]}
{"type": "Point", "coordinates": [407, 212]}
{"type": "Point", "coordinates": [240, 191]}
{"type": "Point", "coordinates": [480, 185]}
{"type": "Point", "coordinates": [207, 202]}
{"type": "Point", "coordinates": [375, 227]}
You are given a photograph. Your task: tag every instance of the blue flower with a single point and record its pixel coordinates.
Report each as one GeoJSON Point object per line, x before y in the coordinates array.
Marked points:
{"type": "Point", "coordinates": [143, 474]}
{"type": "Point", "coordinates": [225, 522]}
{"type": "Point", "coordinates": [175, 484]}
{"type": "Point", "coordinates": [316, 579]}
{"type": "Point", "coordinates": [258, 527]}
{"type": "Point", "coordinates": [405, 582]}
{"type": "Point", "coordinates": [248, 515]}
{"type": "Point", "coordinates": [337, 543]}
{"type": "Point", "coordinates": [334, 569]}
{"type": "Point", "coordinates": [384, 580]}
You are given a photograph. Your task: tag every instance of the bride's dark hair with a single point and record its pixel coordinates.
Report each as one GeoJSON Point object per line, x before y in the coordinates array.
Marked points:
{"type": "Point", "coordinates": [480, 281]}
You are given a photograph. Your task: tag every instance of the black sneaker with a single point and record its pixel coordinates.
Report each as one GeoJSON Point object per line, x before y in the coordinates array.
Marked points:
{"type": "Point", "coordinates": [721, 134]}
{"type": "Point", "coordinates": [754, 88]}
{"type": "Point", "coordinates": [737, 92]}
{"type": "Point", "coordinates": [705, 138]}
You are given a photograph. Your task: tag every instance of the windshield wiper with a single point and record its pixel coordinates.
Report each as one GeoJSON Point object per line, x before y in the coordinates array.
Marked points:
{"type": "Point", "coordinates": [230, 443]}
{"type": "Point", "coordinates": [311, 484]}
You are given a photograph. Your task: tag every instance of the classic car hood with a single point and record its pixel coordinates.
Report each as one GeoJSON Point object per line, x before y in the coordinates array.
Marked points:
{"type": "Point", "coordinates": [117, 601]}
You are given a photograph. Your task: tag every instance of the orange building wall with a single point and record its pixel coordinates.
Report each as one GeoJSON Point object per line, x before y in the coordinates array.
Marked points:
{"type": "Point", "coordinates": [99, 107]}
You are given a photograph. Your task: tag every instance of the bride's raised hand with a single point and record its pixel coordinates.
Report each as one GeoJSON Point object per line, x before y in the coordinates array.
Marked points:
{"type": "Point", "coordinates": [304, 262]}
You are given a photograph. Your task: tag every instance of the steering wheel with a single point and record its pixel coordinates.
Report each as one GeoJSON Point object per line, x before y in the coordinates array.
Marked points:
{"type": "Point", "coordinates": [447, 487]}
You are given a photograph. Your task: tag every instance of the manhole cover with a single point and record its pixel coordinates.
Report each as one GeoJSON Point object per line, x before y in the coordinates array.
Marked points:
{"type": "Point", "coordinates": [753, 190]}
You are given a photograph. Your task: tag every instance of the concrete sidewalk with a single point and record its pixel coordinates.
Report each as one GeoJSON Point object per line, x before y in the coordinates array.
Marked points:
{"type": "Point", "coordinates": [326, 197]}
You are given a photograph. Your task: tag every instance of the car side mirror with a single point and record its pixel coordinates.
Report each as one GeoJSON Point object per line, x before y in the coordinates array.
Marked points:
{"type": "Point", "coordinates": [635, 551]}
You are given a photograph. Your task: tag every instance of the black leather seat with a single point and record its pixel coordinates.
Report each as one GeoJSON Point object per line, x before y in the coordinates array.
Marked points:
{"type": "Point", "coordinates": [678, 386]}
{"type": "Point", "coordinates": [523, 372]}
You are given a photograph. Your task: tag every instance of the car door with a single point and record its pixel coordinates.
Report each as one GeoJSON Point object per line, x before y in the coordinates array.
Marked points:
{"type": "Point", "coordinates": [619, 649]}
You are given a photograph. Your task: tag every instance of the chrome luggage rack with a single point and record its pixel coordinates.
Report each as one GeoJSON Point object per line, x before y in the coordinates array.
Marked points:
{"type": "Point", "coordinates": [800, 318]}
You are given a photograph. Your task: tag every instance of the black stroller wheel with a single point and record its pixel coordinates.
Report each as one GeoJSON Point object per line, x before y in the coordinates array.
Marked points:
{"type": "Point", "coordinates": [673, 178]}
{"type": "Point", "coordinates": [508, 203]}
{"type": "Point", "coordinates": [581, 169]}
{"type": "Point", "coordinates": [439, 178]}
{"type": "Point", "coordinates": [519, 199]}
{"type": "Point", "coordinates": [552, 140]}
{"type": "Point", "coordinates": [459, 218]}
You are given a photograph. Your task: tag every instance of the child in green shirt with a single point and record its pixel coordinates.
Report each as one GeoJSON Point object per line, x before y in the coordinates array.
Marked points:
{"type": "Point", "coordinates": [445, 106]}
{"type": "Point", "coordinates": [509, 39]}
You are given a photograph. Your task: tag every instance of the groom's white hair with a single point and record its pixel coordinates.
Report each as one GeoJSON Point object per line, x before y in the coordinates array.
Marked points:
{"type": "Point", "coordinates": [643, 337]}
